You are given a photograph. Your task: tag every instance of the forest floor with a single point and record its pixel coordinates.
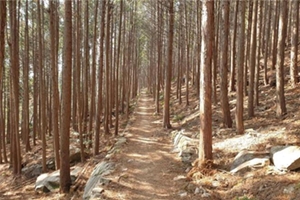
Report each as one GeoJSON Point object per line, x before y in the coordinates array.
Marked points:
{"type": "Point", "coordinates": [147, 168]}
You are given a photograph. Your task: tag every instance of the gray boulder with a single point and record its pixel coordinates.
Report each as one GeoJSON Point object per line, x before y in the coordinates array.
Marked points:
{"type": "Point", "coordinates": [32, 170]}
{"type": "Point", "coordinates": [97, 178]}
{"type": "Point", "coordinates": [249, 159]}
{"type": "Point", "coordinates": [48, 182]}
{"type": "Point", "coordinates": [286, 157]}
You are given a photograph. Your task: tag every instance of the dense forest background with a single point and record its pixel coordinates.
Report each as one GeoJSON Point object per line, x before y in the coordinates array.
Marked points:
{"type": "Point", "coordinates": [73, 69]}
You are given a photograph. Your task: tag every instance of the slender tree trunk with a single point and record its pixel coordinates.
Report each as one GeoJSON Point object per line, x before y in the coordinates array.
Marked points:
{"type": "Point", "coordinates": [252, 62]}
{"type": "Point", "coordinates": [41, 90]}
{"type": "Point", "coordinates": [14, 90]}
{"type": "Point", "coordinates": [224, 20]}
{"type": "Point", "coordinates": [100, 80]}
{"type": "Point", "coordinates": [282, 31]}
{"type": "Point", "coordinates": [258, 55]}
{"type": "Point", "coordinates": [65, 178]}
{"type": "Point", "coordinates": [2, 57]}
{"type": "Point", "coordinates": [25, 123]}
{"type": "Point", "coordinates": [36, 83]}
{"type": "Point", "coordinates": [168, 71]}
{"type": "Point", "coordinates": [107, 70]}
{"type": "Point", "coordinates": [267, 24]}
{"type": "Point", "coordinates": [54, 83]}
{"type": "Point", "coordinates": [117, 70]}
{"type": "Point", "coordinates": [294, 42]}
{"type": "Point", "coordinates": [205, 143]}
{"type": "Point", "coordinates": [85, 71]}
{"type": "Point", "coordinates": [233, 50]}
{"type": "Point", "coordinates": [275, 34]}
{"type": "Point", "coordinates": [159, 49]}
{"type": "Point", "coordinates": [187, 42]}
{"type": "Point", "coordinates": [215, 54]}
{"type": "Point", "coordinates": [93, 81]}
{"type": "Point", "coordinates": [248, 45]}
{"type": "Point", "coordinates": [240, 69]}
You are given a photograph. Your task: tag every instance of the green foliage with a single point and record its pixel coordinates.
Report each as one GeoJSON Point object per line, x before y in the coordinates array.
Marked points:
{"type": "Point", "coordinates": [178, 117]}
{"type": "Point", "coordinates": [161, 97]}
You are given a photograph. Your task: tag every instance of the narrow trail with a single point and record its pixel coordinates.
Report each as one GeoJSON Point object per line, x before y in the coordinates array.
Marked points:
{"type": "Point", "coordinates": [146, 166]}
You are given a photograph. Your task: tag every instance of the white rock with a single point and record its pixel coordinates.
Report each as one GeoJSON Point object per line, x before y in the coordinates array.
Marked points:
{"type": "Point", "coordinates": [205, 195]}
{"type": "Point", "coordinates": [286, 157]}
{"type": "Point", "coordinates": [289, 190]}
{"type": "Point", "coordinates": [180, 177]}
{"type": "Point", "coordinates": [183, 194]}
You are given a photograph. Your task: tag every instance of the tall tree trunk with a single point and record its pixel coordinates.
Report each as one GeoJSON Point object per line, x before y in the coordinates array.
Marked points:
{"type": "Point", "coordinates": [65, 178]}
{"type": "Point", "coordinates": [93, 81]}
{"type": "Point", "coordinates": [168, 71]}
{"type": "Point", "coordinates": [275, 34]}
{"type": "Point", "coordinates": [240, 69]}
{"type": "Point", "coordinates": [233, 50]}
{"type": "Point", "coordinates": [159, 49]}
{"type": "Point", "coordinates": [282, 31]}
{"type": "Point", "coordinates": [294, 42]}
{"type": "Point", "coordinates": [187, 63]}
{"type": "Point", "coordinates": [252, 61]}
{"type": "Point", "coordinates": [14, 89]}
{"type": "Point", "coordinates": [54, 82]}
{"type": "Point", "coordinates": [248, 46]}
{"type": "Point", "coordinates": [107, 69]}
{"type": "Point", "coordinates": [25, 121]}
{"type": "Point", "coordinates": [258, 55]}
{"type": "Point", "coordinates": [207, 26]}
{"type": "Point", "coordinates": [100, 80]}
{"type": "Point", "coordinates": [117, 70]}
{"type": "Point", "coordinates": [224, 20]}
{"type": "Point", "coordinates": [41, 89]}
{"type": "Point", "coordinates": [2, 56]}
{"type": "Point", "coordinates": [267, 24]}
{"type": "Point", "coordinates": [86, 70]}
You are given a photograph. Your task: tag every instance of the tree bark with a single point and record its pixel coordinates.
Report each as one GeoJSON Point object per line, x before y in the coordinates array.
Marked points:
{"type": "Point", "coordinates": [282, 31]}
{"type": "Point", "coordinates": [2, 56]}
{"type": "Point", "coordinates": [252, 61]}
{"type": "Point", "coordinates": [294, 43]}
{"type": "Point", "coordinates": [233, 50]}
{"type": "Point", "coordinates": [240, 69]}
{"type": "Point", "coordinates": [100, 80]}
{"type": "Point", "coordinates": [168, 71]}
{"type": "Point", "coordinates": [54, 83]}
{"type": "Point", "coordinates": [224, 20]}
{"type": "Point", "coordinates": [65, 178]}
{"type": "Point", "coordinates": [117, 70]}
{"type": "Point", "coordinates": [207, 26]}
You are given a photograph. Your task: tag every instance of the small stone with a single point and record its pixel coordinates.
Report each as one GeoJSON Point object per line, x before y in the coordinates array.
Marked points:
{"type": "Point", "coordinates": [190, 187]}
{"type": "Point", "coordinates": [215, 184]}
{"type": "Point", "coordinates": [188, 169]}
{"type": "Point", "coordinates": [197, 190]}
{"type": "Point", "coordinates": [98, 190]}
{"type": "Point", "coordinates": [205, 195]}
{"type": "Point", "coordinates": [289, 190]}
{"type": "Point", "coordinates": [183, 194]}
{"type": "Point", "coordinates": [180, 177]}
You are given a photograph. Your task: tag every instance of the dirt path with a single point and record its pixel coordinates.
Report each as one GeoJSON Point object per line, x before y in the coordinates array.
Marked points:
{"type": "Point", "coordinates": [146, 166]}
